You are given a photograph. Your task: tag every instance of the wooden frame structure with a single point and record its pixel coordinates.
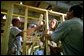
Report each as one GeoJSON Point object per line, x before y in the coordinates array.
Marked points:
{"type": "Point", "coordinates": [9, 18]}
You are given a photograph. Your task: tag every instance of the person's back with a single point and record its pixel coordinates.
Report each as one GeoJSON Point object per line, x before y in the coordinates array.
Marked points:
{"type": "Point", "coordinates": [72, 39]}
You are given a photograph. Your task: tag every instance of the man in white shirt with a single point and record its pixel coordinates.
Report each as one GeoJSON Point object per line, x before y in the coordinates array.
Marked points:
{"type": "Point", "coordinates": [14, 44]}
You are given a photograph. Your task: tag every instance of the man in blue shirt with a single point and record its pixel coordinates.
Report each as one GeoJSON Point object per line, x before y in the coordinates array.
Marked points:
{"type": "Point", "coordinates": [70, 32]}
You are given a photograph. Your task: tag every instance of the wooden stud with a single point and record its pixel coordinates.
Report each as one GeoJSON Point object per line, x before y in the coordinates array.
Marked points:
{"type": "Point", "coordinates": [25, 34]}
{"type": "Point", "coordinates": [55, 13]}
{"type": "Point", "coordinates": [5, 38]}
{"type": "Point", "coordinates": [47, 28]}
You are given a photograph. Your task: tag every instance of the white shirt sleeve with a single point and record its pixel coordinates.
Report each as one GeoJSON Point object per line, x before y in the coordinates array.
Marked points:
{"type": "Point", "coordinates": [15, 31]}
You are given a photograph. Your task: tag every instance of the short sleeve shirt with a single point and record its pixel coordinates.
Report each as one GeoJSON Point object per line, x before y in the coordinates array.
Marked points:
{"type": "Point", "coordinates": [14, 31]}
{"type": "Point", "coordinates": [70, 33]}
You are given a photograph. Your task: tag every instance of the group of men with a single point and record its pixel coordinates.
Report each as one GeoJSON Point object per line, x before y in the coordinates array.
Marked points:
{"type": "Point", "coordinates": [70, 33]}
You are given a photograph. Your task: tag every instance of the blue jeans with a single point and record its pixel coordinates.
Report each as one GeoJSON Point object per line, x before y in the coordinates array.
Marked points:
{"type": "Point", "coordinates": [18, 44]}
{"type": "Point", "coordinates": [39, 52]}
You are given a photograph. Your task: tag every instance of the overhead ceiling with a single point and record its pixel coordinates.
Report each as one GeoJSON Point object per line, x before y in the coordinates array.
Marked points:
{"type": "Point", "coordinates": [60, 6]}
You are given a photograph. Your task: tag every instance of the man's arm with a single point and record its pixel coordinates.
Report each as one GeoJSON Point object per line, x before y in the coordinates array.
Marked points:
{"type": "Point", "coordinates": [59, 32]}
{"type": "Point", "coordinates": [20, 34]}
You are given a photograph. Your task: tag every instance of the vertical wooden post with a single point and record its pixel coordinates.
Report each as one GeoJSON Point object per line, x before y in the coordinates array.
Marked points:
{"type": "Point", "coordinates": [25, 34]}
{"type": "Point", "coordinates": [5, 38]}
{"type": "Point", "coordinates": [47, 28]}
{"type": "Point", "coordinates": [62, 18]}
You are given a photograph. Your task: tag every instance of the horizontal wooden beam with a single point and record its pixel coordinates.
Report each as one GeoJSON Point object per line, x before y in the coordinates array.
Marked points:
{"type": "Point", "coordinates": [20, 15]}
{"type": "Point", "coordinates": [38, 10]}
{"type": "Point", "coordinates": [55, 13]}
{"type": "Point", "coordinates": [3, 13]}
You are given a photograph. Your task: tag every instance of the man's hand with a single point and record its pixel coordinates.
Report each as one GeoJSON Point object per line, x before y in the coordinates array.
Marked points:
{"type": "Point", "coordinates": [30, 31]}
{"type": "Point", "coordinates": [46, 34]}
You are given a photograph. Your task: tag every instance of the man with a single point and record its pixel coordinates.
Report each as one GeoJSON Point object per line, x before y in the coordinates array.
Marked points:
{"type": "Point", "coordinates": [55, 48]}
{"type": "Point", "coordinates": [14, 44]}
{"type": "Point", "coordinates": [15, 37]}
{"type": "Point", "coordinates": [53, 24]}
{"type": "Point", "coordinates": [70, 32]}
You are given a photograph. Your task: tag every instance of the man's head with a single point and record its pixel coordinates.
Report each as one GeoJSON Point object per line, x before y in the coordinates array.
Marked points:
{"type": "Point", "coordinates": [74, 11]}
{"type": "Point", "coordinates": [53, 23]}
{"type": "Point", "coordinates": [16, 22]}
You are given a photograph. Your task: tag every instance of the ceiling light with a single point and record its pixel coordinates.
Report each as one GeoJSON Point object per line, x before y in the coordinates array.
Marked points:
{"type": "Point", "coordinates": [21, 3]}
{"type": "Point", "coordinates": [4, 17]}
